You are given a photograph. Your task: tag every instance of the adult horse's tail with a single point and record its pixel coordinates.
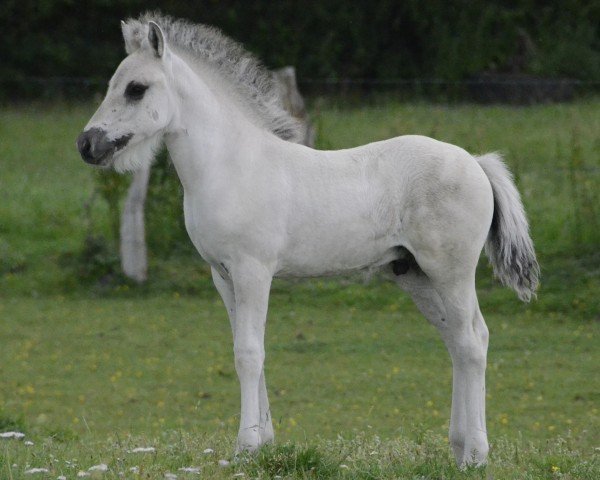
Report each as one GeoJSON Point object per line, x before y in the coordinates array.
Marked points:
{"type": "Point", "coordinates": [509, 246]}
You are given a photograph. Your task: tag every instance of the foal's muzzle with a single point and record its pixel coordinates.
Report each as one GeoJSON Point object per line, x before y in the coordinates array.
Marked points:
{"type": "Point", "coordinates": [95, 147]}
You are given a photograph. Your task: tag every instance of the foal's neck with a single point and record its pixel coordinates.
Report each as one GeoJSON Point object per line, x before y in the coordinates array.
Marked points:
{"type": "Point", "coordinates": [210, 131]}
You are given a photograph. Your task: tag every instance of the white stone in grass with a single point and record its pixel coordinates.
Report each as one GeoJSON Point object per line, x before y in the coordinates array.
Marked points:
{"type": "Point", "coordinates": [344, 466]}
{"type": "Point", "coordinates": [33, 471]}
{"type": "Point", "coordinates": [28, 443]}
{"type": "Point", "coordinates": [143, 450]}
{"type": "Point", "coordinates": [15, 435]}
{"type": "Point", "coordinates": [223, 463]}
{"type": "Point", "coordinates": [103, 467]}
{"type": "Point", "coordinates": [82, 474]}
{"type": "Point", "coordinates": [190, 470]}
{"type": "Point", "coordinates": [208, 450]}
{"type": "Point", "coordinates": [170, 476]}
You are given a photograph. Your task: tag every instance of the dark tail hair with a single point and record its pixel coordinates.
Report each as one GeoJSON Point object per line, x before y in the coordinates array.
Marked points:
{"type": "Point", "coordinates": [509, 246]}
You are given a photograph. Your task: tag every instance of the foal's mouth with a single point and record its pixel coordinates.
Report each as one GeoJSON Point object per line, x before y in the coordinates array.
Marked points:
{"type": "Point", "coordinates": [107, 159]}
{"type": "Point", "coordinates": [96, 149]}
{"type": "Point", "coordinates": [122, 141]}
{"type": "Point", "coordinates": [104, 161]}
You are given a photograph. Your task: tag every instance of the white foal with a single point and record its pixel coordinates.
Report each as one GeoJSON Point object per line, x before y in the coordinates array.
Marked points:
{"type": "Point", "coordinates": [258, 205]}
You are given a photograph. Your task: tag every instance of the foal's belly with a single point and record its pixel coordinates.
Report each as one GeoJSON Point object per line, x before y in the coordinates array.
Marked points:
{"type": "Point", "coordinates": [344, 229]}
{"type": "Point", "coordinates": [322, 258]}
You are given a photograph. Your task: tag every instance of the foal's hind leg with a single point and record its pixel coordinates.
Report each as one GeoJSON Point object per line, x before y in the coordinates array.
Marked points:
{"type": "Point", "coordinates": [454, 311]}
{"type": "Point", "coordinates": [225, 288]}
{"type": "Point", "coordinates": [428, 301]}
{"type": "Point", "coordinates": [413, 281]}
{"type": "Point", "coordinates": [466, 337]}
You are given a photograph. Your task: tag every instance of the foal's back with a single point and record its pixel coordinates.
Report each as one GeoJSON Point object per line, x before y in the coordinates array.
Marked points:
{"type": "Point", "coordinates": [351, 209]}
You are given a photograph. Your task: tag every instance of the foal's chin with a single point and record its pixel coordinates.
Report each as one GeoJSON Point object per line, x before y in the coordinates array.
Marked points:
{"type": "Point", "coordinates": [136, 156]}
{"type": "Point", "coordinates": [104, 163]}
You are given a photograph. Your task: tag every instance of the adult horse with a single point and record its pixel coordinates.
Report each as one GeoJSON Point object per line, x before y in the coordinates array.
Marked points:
{"type": "Point", "coordinates": [258, 206]}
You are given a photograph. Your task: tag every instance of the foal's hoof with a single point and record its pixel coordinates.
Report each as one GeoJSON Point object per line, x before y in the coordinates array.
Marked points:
{"type": "Point", "coordinates": [248, 441]}
{"type": "Point", "coordinates": [474, 459]}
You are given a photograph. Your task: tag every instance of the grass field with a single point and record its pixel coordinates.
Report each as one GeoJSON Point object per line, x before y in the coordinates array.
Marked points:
{"type": "Point", "coordinates": [359, 383]}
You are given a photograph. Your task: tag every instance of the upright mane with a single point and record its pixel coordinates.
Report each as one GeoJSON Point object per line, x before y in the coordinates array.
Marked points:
{"type": "Point", "coordinates": [253, 82]}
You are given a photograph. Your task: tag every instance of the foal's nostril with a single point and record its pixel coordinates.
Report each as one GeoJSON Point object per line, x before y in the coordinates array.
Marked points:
{"type": "Point", "coordinates": [84, 145]}
{"type": "Point", "coordinates": [93, 145]}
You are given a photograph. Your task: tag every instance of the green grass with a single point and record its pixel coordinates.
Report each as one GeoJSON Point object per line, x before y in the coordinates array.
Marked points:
{"type": "Point", "coordinates": [359, 383]}
{"type": "Point", "coordinates": [78, 373]}
{"type": "Point", "coordinates": [363, 456]}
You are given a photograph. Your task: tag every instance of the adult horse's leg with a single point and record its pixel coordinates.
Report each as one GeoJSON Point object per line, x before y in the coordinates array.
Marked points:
{"type": "Point", "coordinates": [456, 315]}
{"type": "Point", "coordinates": [225, 288]}
{"type": "Point", "coordinates": [251, 283]}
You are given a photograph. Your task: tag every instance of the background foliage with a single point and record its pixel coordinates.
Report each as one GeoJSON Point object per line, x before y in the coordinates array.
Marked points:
{"type": "Point", "coordinates": [338, 39]}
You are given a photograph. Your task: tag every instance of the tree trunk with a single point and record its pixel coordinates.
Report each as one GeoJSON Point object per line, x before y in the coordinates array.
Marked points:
{"type": "Point", "coordinates": [134, 260]}
{"type": "Point", "coordinates": [293, 102]}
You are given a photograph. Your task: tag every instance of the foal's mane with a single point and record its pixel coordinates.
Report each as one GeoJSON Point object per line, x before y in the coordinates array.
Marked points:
{"type": "Point", "coordinates": [245, 73]}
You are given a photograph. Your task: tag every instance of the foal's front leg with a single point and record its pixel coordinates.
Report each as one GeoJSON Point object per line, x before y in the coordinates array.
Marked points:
{"type": "Point", "coordinates": [225, 288]}
{"type": "Point", "coordinates": [251, 284]}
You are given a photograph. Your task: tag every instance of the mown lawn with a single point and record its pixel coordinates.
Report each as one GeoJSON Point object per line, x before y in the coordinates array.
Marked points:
{"type": "Point", "coordinates": [359, 383]}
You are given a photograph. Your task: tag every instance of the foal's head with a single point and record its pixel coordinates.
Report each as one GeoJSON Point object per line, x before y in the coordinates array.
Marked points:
{"type": "Point", "coordinates": [129, 125]}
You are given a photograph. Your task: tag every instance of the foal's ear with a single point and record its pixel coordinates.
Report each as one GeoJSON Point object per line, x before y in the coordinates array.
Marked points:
{"type": "Point", "coordinates": [156, 39]}
{"type": "Point", "coordinates": [133, 35]}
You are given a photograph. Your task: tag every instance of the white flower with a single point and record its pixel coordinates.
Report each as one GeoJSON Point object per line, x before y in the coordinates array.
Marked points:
{"type": "Point", "coordinates": [31, 471]}
{"type": "Point", "coordinates": [15, 435]}
{"type": "Point", "coordinates": [343, 466]}
{"type": "Point", "coordinates": [28, 443]}
{"type": "Point", "coordinates": [134, 469]}
{"type": "Point", "coordinates": [143, 450]}
{"type": "Point", "coordinates": [103, 467]}
{"type": "Point", "coordinates": [190, 470]}
{"type": "Point", "coordinates": [170, 476]}
{"type": "Point", "coordinates": [82, 474]}
{"type": "Point", "coordinates": [223, 463]}
{"type": "Point", "coordinates": [61, 477]}
{"type": "Point", "coordinates": [208, 450]}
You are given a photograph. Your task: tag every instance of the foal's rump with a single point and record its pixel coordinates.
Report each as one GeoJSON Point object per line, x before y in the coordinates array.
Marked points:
{"type": "Point", "coordinates": [456, 204]}
{"type": "Point", "coordinates": [447, 206]}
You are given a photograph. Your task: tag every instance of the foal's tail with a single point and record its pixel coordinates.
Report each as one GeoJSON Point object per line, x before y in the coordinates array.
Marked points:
{"type": "Point", "coordinates": [509, 246]}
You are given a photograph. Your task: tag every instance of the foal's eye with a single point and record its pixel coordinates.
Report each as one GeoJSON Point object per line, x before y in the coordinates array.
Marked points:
{"type": "Point", "coordinates": [135, 91]}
